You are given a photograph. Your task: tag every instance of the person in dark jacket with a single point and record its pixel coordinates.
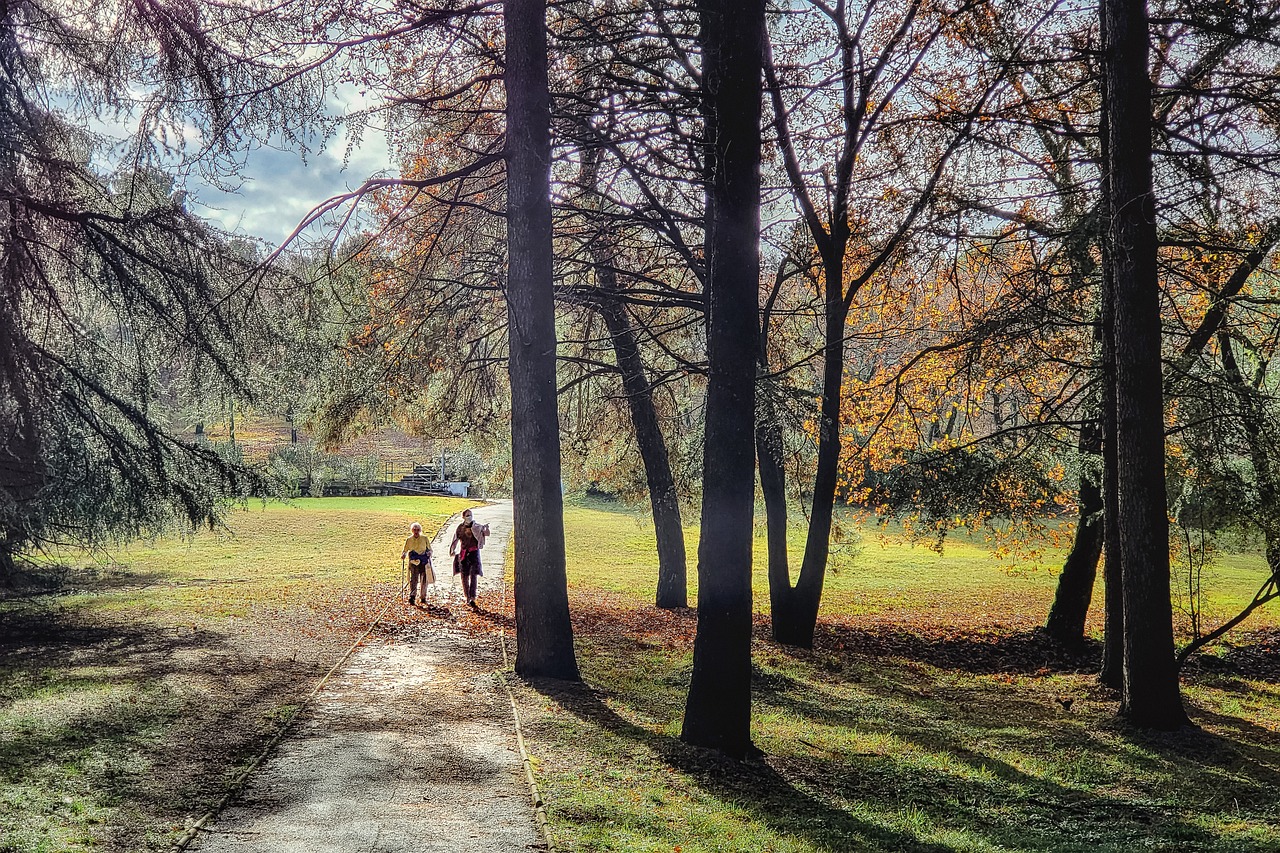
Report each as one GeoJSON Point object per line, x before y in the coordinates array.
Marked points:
{"type": "Point", "coordinates": [468, 539]}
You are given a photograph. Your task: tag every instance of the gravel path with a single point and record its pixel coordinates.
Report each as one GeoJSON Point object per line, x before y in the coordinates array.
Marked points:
{"type": "Point", "coordinates": [409, 748]}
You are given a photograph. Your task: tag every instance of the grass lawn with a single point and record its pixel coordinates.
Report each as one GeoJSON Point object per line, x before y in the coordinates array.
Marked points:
{"type": "Point", "coordinates": [882, 576]}
{"type": "Point", "coordinates": [131, 698]}
{"type": "Point", "coordinates": [929, 717]}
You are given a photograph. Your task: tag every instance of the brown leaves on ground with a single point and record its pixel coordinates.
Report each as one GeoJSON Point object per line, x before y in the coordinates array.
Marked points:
{"type": "Point", "coordinates": [1005, 640]}
{"type": "Point", "coordinates": [1009, 642]}
{"type": "Point", "coordinates": [386, 607]}
{"type": "Point", "coordinates": [975, 651]}
{"type": "Point", "coordinates": [1252, 654]}
{"type": "Point", "coordinates": [600, 613]}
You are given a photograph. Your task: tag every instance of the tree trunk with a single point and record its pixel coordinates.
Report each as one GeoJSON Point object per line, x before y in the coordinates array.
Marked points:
{"type": "Point", "coordinates": [1075, 585]}
{"type": "Point", "coordinates": [1070, 610]}
{"type": "Point", "coordinates": [672, 581]}
{"type": "Point", "coordinates": [718, 708]}
{"type": "Point", "coordinates": [8, 567]}
{"type": "Point", "coordinates": [1150, 694]}
{"type": "Point", "coordinates": [773, 477]}
{"type": "Point", "coordinates": [544, 634]}
{"type": "Point", "coordinates": [773, 485]}
{"type": "Point", "coordinates": [673, 587]}
{"type": "Point", "coordinates": [795, 623]}
{"type": "Point", "coordinates": [1111, 672]}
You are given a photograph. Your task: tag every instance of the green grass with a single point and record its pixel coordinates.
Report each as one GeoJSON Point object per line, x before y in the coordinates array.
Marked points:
{"type": "Point", "coordinates": [616, 550]}
{"type": "Point", "coordinates": [884, 749]}
{"type": "Point", "coordinates": [882, 571]}
{"type": "Point", "coordinates": [273, 554]}
{"type": "Point", "coordinates": [889, 755]}
{"type": "Point", "coordinates": [128, 703]}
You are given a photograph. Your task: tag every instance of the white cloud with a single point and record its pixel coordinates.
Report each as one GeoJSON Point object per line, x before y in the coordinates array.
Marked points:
{"type": "Point", "coordinates": [279, 186]}
{"type": "Point", "coordinates": [278, 189]}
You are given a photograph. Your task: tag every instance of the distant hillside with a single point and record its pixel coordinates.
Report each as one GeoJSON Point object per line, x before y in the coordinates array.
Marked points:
{"type": "Point", "coordinates": [259, 437]}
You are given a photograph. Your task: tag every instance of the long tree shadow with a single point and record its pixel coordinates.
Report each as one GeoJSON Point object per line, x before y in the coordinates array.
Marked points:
{"type": "Point", "coordinates": [946, 742]}
{"type": "Point", "coordinates": [962, 729]}
{"type": "Point", "coordinates": [34, 584]}
{"type": "Point", "coordinates": [1242, 751]}
{"type": "Point", "coordinates": [756, 785]}
{"type": "Point", "coordinates": [953, 759]}
{"type": "Point", "coordinates": [154, 718]}
{"type": "Point", "coordinates": [971, 724]}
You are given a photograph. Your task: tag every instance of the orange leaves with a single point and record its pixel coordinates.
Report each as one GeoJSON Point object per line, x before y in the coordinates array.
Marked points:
{"type": "Point", "coordinates": [365, 338]}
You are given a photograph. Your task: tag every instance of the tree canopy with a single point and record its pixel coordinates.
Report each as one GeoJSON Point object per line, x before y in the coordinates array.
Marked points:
{"type": "Point", "coordinates": [978, 263]}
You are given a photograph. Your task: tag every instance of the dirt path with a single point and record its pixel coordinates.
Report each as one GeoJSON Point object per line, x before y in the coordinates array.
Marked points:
{"type": "Point", "coordinates": [409, 748]}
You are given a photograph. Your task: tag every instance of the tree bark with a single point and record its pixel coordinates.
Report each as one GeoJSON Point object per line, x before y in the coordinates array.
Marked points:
{"type": "Point", "coordinates": [1111, 673]}
{"type": "Point", "coordinates": [773, 486]}
{"type": "Point", "coordinates": [718, 708]}
{"type": "Point", "coordinates": [667, 526]}
{"type": "Point", "coordinates": [1075, 585]}
{"type": "Point", "coordinates": [1070, 610]}
{"type": "Point", "coordinates": [544, 634]}
{"type": "Point", "coordinates": [795, 622]}
{"type": "Point", "coordinates": [1150, 695]}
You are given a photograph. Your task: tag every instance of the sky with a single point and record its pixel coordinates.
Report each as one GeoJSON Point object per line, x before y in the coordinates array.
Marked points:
{"type": "Point", "coordinates": [279, 187]}
{"type": "Point", "coordinates": [276, 186]}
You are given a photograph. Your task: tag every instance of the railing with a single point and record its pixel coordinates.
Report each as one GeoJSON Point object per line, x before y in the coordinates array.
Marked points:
{"type": "Point", "coordinates": [394, 473]}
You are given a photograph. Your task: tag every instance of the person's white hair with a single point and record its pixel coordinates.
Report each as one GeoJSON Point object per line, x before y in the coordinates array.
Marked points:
{"type": "Point", "coordinates": [415, 526]}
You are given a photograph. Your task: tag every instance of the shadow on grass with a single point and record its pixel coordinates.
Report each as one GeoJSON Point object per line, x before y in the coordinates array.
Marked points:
{"type": "Point", "coordinates": [1073, 774]}
{"type": "Point", "coordinates": [1023, 653]}
{"type": "Point", "coordinates": [46, 583]}
{"type": "Point", "coordinates": [1242, 756]}
{"type": "Point", "coordinates": [983, 761]}
{"type": "Point", "coordinates": [599, 502]}
{"type": "Point", "coordinates": [155, 720]}
{"type": "Point", "coordinates": [755, 785]}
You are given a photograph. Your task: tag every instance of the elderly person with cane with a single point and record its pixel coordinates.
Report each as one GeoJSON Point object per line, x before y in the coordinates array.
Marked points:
{"type": "Point", "coordinates": [418, 549]}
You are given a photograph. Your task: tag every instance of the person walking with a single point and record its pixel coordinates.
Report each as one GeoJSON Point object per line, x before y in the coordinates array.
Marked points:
{"type": "Point", "coordinates": [418, 549]}
{"type": "Point", "coordinates": [468, 539]}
